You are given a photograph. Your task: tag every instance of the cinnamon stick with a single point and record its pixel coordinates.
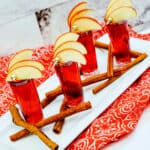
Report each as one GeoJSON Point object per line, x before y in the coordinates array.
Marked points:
{"type": "Point", "coordinates": [54, 93]}
{"type": "Point", "coordinates": [59, 124]}
{"type": "Point", "coordinates": [135, 61]}
{"type": "Point", "coordinates": [124, 69]}
{"type": "Point", "coordinates": [46, 101]}
{"type": "Point", "coordinates": [104, 84]}
{"type": "Point", "coordinates": [50, 96]}
{"type": "Point", "coordinates": [31, 128]}
{"type": "Point", "coordinates": [101, 76]}
{"type": "Point", "coordinates": [101, 45]}
{"type": "Point", "coordinates": [66, 113]}
{"type": "Point", "coordinates": [110, 62]}
{"type": "Point", "coordinates": [133, 53]}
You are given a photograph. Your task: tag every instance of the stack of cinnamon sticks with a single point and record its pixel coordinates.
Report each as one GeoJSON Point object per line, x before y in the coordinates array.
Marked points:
{"type": "Point", "coordinates": [35, 129]}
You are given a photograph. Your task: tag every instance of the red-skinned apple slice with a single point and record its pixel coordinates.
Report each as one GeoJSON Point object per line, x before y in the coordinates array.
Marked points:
{"type": "Point", "coordinates": [21, 63]}
{"type": "Point", "coordinates": [76, 8]}
{"type": "Point", "coordinates": [71, 44]}
{"type": "Point", "coordinates": [24, 73]}
{"type": "Point", "coordinates": [84, 24]}
{"type": "Point", "coordinates": [121, 14]}
{"type": "Point", "coordinates": [65, 37]}
{"type": "Point", "coordinates": [69, 54]}
{"type": "Point", "coordinates": [21, 55]}
{"type": "Point", "coordinates": [120, 3]}
{"type": "Point", "coordinates": [79, 14]}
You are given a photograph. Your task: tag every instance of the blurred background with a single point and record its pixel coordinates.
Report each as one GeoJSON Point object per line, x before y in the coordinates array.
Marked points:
{"type": "Point", "coordinates": [29, 24]}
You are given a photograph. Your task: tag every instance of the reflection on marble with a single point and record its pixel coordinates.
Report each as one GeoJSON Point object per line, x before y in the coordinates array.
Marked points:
{"type": "Point", "coordinates": [55, 21]}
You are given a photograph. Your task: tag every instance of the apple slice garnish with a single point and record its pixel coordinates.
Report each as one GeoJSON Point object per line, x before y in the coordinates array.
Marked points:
{"type": "Point", "coordinates": [69, 54]}
{"type": "Point", "coordinates": [22, 63]}
{"type": "Point", "coordinates": [71, 44]}
{"type": "Point", "coordinates": [76, 8]}
{"type": "Point", "coordinates": [112, 2]}
{"type": "Point", "coordinates": [120, 3]}
{"type": "Point", "coordinates": [81, 13]}
{"type": "Point", "coordinates": [84, 24]}
{"type": "Point", "coordinates": [21, 55]}
{"type": "Point", "coordinates": [23, 73]}
{"type": "Point", "coordinates": [121, 14]}
{"type": "Point", "coordinates": [68, 36]}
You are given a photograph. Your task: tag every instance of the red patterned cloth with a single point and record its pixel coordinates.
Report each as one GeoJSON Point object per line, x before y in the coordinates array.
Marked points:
{"type": "Point", "coordinates": [118, 120]}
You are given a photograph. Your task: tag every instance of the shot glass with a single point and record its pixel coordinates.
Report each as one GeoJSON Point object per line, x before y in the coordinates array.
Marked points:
{"type": "Point", "coordinates": [69, 76]}
{"type": "Point", "coordinates": [86, 38]}
{"type": "Point", "coordinates": [119, 40]}
{"type": "Point", "coordinates": [28, 100]}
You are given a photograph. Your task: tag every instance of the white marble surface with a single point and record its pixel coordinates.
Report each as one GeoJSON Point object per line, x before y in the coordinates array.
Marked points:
{"type": "Point", "coordinates": [55, 23]}
{"type": "Point", "coordinates": [20, 34]}
{"type": "Point", "coordinates": [12, 10]}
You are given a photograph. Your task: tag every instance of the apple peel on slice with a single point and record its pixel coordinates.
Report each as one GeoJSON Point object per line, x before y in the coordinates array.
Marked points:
{"type": "Point", "coordinates": [23, 73]}
{"type": "Point", "coordinates": [76, 8]}
{"type": "Point", "coordinates": [121, 14]}
{"type": "Point", "coordinates": [70, 45]}
{"type": "Point", "coordinates": [84, 24]}
{"type": "Point", "coordinates": [81, 13]}
{"type": "Point", "coordinates": [65, 37]}
{"type": "Point", "coordinates": [22, 63]}
{"type": "Point", "coordinates": [25, 54]}
{"type": "Point", "coordinates": [69, 54]}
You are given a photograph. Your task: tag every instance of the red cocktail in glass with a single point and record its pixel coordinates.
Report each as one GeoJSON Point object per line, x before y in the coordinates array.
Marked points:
{"type": "Point", "coordinates": [86, 38]}
{"type": "Point", "coordinates": [69, 76]}
{"type": "Point", "coordinates": [28, 99]}
{"type": "Point", "coordinates": [119, 38]}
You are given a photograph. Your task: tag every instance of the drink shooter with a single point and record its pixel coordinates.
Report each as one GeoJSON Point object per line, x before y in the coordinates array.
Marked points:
{"type": "Point", "coordinates": [28, 99]}
{"type": "Point", "coordinates": [119, 40]}
{"type": "Point", "coordinates": [86, 38]}
{"type": "Point", "coordinates": [69, 76]}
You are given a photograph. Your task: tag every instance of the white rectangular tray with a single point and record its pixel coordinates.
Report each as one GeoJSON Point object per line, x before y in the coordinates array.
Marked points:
{"type": "Point", "coordinates": [75, 124]}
